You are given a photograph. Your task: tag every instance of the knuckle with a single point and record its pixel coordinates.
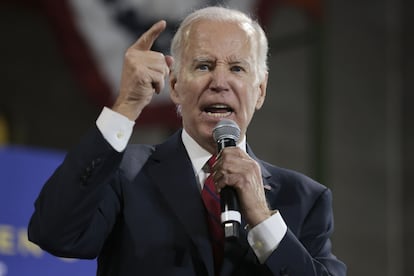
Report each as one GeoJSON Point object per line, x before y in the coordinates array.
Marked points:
{"type": "Point", "coordinates": [129, 53]}
{"type": "Point", "coordinates": [145, 78]}
{"type": "Point", "coordinates": [227, 179]}
{"type": "Point", "coordinates": [159, 55]}
{"type": "Point", "coordinates": [254, 166]}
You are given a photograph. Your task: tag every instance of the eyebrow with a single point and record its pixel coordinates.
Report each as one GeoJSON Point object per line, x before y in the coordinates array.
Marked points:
{"type": "Point", "coordinates": [241, 62]}
{"type": "Point", "coordinates": [231, 61]}
{"type": "Point", "coordinates": [202, 59]}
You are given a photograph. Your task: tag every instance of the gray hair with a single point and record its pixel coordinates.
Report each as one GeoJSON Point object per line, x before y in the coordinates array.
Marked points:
{"type": "Point", "coordinates": [221, 14]}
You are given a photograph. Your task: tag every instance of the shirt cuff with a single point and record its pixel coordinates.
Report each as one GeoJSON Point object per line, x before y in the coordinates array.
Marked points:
{"type": "Point", "coordinates": [265, 237]}
{"type": "Point", "coordinates": [115, 128]}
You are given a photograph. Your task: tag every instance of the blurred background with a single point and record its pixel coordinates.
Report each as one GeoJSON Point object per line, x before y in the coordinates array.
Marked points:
{"type": "Point", "coordinates": [338, 109]}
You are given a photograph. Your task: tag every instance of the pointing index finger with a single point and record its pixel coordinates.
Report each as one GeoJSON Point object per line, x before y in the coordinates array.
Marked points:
{"type": "Point", "coordinates": [146, 40]}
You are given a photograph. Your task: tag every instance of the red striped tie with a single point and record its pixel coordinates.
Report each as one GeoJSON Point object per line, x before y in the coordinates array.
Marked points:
{"type": "Point", "coordinates": [212, 203]}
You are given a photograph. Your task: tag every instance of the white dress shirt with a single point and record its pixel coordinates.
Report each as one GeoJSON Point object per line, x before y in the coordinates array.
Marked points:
{"type": "Point", "coordinates": [263, 238]}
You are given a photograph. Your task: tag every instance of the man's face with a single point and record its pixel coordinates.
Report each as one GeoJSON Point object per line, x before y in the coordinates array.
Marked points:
{"type": "Point", "coordinates": [217, 79]}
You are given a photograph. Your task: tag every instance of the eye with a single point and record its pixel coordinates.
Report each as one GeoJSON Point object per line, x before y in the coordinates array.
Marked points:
{"type": "Point", "coordinates": [237, 68]}
{"type": "Point", "coordinates": [203, 67]}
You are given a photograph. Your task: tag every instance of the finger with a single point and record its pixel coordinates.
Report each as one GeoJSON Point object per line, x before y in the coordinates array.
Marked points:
{"type": "Point", "coordinates": [158, 83]}
{"type": "Point", "coordinates": [170, 61]}
{"type": "Point", "coordinates": [158, 75]}
{"type": "Point", "coordinates": [159, 63]}
{"type": "Point", "coordinates": [147, 39]}
{"type": "Point", "coordinates": [223, 157]}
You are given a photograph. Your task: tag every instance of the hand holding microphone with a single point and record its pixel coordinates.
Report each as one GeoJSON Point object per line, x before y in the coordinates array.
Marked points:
{"type": "Point", "coordinates": [239, 179]}
{"type": "Point", "coordinates": [226, 133]}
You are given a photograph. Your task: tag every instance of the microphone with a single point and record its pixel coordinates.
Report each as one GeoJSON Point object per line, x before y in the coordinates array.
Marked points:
{"type": "Point", "coordinates": [226, 133]}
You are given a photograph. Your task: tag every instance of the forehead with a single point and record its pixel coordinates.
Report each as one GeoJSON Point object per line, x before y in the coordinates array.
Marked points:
{"type": "Point", "coordinates": [219, 39]}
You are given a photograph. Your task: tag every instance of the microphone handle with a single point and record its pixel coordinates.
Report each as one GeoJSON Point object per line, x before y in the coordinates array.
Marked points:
{"type": "Point", "coordinates": [230, 207]}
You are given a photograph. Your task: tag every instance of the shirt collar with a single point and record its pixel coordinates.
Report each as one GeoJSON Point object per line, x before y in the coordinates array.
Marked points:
{"type": "Point", "coordinates": [198, 155]}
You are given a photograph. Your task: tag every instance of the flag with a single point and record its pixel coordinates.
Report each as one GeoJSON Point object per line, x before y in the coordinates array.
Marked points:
{"type": "Point", "coordinates": [95, 34]}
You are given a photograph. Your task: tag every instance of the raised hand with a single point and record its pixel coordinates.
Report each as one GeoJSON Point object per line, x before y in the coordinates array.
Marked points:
{"type": "Point", "coordinates": [143, 74]}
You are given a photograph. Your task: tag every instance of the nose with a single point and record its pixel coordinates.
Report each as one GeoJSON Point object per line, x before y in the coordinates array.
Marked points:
{"type": "Point", "coordinates": [219, 79]}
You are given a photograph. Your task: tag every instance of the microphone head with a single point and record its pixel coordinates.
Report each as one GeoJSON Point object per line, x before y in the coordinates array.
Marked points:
{"type": "Point", "coordinates": [226, 129]}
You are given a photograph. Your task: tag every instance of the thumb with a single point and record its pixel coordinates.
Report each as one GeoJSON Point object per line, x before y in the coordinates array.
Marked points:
{"type": "Point", "coordinates": [146, 40]}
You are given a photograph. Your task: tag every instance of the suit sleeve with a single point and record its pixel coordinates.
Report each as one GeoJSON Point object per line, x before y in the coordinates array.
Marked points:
{"type": "Point", "coordinates": [310, 252]}
{"type": "Point", "coordinates": [78, 205]}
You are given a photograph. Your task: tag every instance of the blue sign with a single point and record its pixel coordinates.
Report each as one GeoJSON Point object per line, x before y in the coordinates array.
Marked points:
{"type": "Point", "coordinates": [22, 174]}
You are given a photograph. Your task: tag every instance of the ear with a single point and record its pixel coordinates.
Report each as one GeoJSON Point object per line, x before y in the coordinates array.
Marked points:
{"type": "Point", "coordinates": [262, 91]}
{"type": "Point", "coordinates": [173, 88]}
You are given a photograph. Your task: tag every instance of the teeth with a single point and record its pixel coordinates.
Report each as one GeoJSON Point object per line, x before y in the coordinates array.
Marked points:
{"type": "Point", "coordinates": [220, 106]}
{"type": "Point", "coordinates": [218, 115]}
{"type": "Point", "coordinates": [218, 110]}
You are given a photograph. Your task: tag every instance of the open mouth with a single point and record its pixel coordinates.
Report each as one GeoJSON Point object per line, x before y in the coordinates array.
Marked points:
{"type": "Point", "coordinates": [218, 110]}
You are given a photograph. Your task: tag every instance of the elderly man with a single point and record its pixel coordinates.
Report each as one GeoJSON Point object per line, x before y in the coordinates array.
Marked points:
{"type": "Point", "coordinates": [139, 208]}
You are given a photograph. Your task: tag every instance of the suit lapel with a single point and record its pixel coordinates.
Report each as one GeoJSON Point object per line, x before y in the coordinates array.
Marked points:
{"type": "Point", "coordinates": [171, 170]}
{"type": "Point", "coordinates": [270, 185]}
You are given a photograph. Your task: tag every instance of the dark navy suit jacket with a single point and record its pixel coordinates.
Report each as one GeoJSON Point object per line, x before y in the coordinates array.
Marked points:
{"type": "Point", "coordinates": [140, 213]}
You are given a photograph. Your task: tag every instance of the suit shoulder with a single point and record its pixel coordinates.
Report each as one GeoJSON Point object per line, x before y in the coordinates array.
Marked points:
{"type": "Point", "coordinates": [291, 179]}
